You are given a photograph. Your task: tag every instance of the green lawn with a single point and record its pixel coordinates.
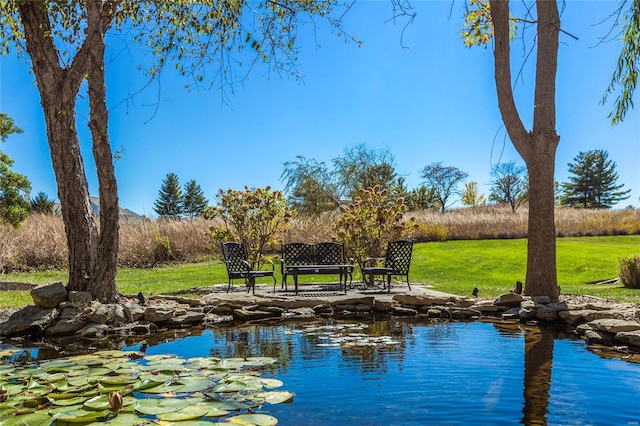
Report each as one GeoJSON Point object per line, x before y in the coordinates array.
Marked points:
{"type": "Point", "coordinates": [453, 266]}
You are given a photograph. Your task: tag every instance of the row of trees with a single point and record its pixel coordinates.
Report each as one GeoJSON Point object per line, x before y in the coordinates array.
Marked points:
{"type": "Point", "coordinates": [313, 189]}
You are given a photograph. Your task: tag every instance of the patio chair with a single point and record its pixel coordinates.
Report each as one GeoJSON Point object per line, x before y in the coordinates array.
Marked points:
{"type": "Point", "coordinates": [396, 263]}
{"type": "Point", "coordinates": [238, 266]}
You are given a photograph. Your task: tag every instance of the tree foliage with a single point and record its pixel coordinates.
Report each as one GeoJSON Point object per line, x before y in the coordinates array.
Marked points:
{"type": "Point", "coordinates": [362, 167]}
{"type": "Point", "coordinates": [170, 198]}
{"type": "Point", "coordinates": [42, 204]}
{"type": "Point", "coordinates": [194, 203]}
{"type": "Point", "coordinates": [593, 182]}
{"type": "Point", "coordinates": [625, 76]}
{"type": "Point", "coordinates": [422, 198]}
{"type": "Point", "coordinates": [14, 187]}
{"type": "Point", "coordinates": [255, 217]}
{"type": "Point", "coordinates": [310, 186]}
{"type": "Point", "coordinates": [444, 181]}
{"type": "Point", "coordinates": [370, 222]}
{"type": "Point", "coordinates": [471, 195]}
{"type": "Point", "coordinates": [509, 184]}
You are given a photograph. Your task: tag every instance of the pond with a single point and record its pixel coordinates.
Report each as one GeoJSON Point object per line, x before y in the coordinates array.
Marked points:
{"type": "Point", "coordinates": [401, 372]}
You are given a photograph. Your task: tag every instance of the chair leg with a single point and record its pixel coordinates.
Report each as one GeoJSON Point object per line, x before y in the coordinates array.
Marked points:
{"type": "Point", "coordinates": [408, 283]}
{"type": "Point", "coordinates": [388, 283]}
{"type": "Point", "coordinates": [229, 286]}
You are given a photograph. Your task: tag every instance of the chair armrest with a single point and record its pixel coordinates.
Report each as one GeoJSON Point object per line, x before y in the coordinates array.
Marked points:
{"type": "Point", "coordinates": [269, 261]}
{"type": "Point", "coordinates": [371, 260]}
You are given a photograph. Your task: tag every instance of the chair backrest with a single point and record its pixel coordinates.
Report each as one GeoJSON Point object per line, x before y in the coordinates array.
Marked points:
{"type": "Point", "coordinates": [297, 254]}
{"type": "Point", "coordinates": [235, 256]}
{"type": "Point", "coordinates": [329, 253]}
{"type": "Point", "coordinates": [398, 256]}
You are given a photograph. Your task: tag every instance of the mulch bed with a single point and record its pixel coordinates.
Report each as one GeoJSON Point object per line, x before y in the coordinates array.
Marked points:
{"type": "Point", "coordinates": [9, 286]}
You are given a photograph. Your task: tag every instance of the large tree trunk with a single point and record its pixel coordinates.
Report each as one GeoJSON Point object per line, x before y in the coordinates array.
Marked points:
{"type": "Point", "coordinates": [106, 262]}
{"type": "Point", "coordinates": [537, 147]}
{"type": "Point", "coordinates": [58, 89]}
{"type": "Point", "coordinates": [92, 262]}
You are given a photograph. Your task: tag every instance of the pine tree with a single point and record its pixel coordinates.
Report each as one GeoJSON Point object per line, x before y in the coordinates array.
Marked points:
{"type": "Point", "coordinates": [194, 201]}
{"type": "Point", "coordinates": [593, 184]}
{"type": "Point", "coordinates": [170, 199]}
{"type": "Point", "coordinates": [42, 204]}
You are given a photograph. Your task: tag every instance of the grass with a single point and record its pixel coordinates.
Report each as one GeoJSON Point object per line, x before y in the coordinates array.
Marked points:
{"type": "Point", "coordinates": [452, 266]}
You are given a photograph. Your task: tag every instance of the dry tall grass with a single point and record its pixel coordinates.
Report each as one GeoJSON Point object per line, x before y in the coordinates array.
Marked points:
{"type": "Point", "coordinates": [41, 244]}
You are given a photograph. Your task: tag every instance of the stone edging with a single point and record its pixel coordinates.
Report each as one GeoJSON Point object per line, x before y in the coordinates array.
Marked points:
{"type": "Point", "coordinates": [60, 313]}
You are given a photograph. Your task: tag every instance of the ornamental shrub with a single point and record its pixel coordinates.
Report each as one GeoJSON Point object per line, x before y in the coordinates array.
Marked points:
{"type": "Point", "coordinates": [370, 222]}
{"type": "Point", "coordinates": [254, 217]}
{"type": "Point", "coordinates": [629, 271]}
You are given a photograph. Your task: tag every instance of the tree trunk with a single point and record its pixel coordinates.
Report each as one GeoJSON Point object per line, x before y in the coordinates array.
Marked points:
{"type": "Point", "coordinates": [106, 261]}
{"type": "Point", "coordinates": [58, 89]}
{"type": "Point", "coordinates": [92, 262]}
{"type": "Point", "coordinates": [537, 147]}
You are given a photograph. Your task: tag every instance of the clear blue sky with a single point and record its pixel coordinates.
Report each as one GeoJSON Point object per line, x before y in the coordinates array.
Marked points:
{"type": "Point", "coordinates": [433, 101]}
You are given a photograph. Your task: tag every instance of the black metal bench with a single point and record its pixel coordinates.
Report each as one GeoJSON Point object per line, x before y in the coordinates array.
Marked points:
{"type": "Point", "coordinates": [321, 258]}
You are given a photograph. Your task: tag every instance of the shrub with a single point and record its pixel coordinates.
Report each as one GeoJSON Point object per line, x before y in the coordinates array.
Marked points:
{"type": "Point", "coordinates": [629, 271]}
{"type": "Point", "coordinates": [367, 224]}
{"type": "Point", "coordinates": [255, 217]}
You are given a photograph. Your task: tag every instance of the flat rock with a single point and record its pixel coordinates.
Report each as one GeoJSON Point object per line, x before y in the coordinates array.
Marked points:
{"type": "Point", "coordinates": [584, 315]}
{"type": "Point", "coordinates": [49, 296]}
{"type": "Point", "coordinates": [599, 337]}
{"type": "Point", "coordinates": [32, 320]}
{"type": "Point", "coordinates": [415, 300]}
{"type": "Point", "coordinates": [70, 321]}
{"type": "Point", "coordinates": [631, 338]}
{"type": "Point", "coordinates": [508, 299]}
{"type": "Point", "coordinates": [614, 325]}
{"type": "Point", "coordinates": [401, 311]}
{"type": "Point", "coordinates": [93, 331]}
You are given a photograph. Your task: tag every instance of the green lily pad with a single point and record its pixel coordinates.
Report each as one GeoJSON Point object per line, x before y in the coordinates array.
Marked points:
{"type": "Point", "coordinates": [234, 386]}
{"type": "Point", "coordinates": [163, 388]}
{"type": "Point", "coordinates": [65, 402]}
{"type": "Point", "coordinates": [79, 415]}
{"type": "Point", "coordinates": [196, 384]}
{"type": "Point", "coordinates": [126, 419]}
{"type": "Point", "coordinates": [160, 406]}
{"type": "Point", "coordinates": [187, 413]}
{"type": "Point", "coordinates": [38, 418]}
{"type": "Point", "coordinates": [254, 419]}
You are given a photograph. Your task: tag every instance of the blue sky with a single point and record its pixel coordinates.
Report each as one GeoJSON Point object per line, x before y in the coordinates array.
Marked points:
{"type": "Point", "coordinates": [431, 101]}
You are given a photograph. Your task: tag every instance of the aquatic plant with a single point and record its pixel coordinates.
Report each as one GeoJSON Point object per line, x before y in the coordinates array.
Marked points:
{"type": "Point", "coordinates": [128, 388]}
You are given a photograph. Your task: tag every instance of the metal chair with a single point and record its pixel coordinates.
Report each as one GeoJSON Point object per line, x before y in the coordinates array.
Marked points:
{"type": "Point", "coordinates": [238, 266]}
{"type": "Point", "coordinates": [396, 262]}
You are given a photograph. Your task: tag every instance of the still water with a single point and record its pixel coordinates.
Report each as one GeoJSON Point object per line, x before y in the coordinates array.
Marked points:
{"type": "Point", "coordinates": [422, 374]}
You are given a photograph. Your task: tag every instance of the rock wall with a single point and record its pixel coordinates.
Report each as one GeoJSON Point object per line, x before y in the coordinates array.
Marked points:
{"type": "Point", "coordinates": [57, 312]}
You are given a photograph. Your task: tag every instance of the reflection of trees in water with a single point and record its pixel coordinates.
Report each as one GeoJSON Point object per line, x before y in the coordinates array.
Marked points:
{"type": "Point", "coordinates": [253, 341]}
{"type": "Point", "coordinates": [538, 356]}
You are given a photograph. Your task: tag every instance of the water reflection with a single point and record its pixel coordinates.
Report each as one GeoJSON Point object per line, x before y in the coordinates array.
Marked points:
{"type": "Point", "coordinates": [431, 373]}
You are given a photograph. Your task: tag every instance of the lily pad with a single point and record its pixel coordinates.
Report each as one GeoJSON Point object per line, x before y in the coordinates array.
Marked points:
{"type": "Point", "coordinates": [276, 397]}
{"type": "Point", "coordinates": [126, 419]}
{"type": "Point", "coordinates": [33, 419]}
{"type": "Point", "coordinates": [160, 406]}
{"type": "Point", "coordinates": [79, 415]}
{"type": "Point", "coordinates": [254, 419]}
{"type": "Point", "coordinates": [187, 413]}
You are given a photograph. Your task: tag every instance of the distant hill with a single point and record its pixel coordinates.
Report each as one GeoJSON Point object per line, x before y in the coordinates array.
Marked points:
{"type": "Point", "coordinates": [125, 214]}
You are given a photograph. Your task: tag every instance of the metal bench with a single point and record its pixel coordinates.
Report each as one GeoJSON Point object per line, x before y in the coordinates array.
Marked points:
{"type": "Point", "coordinates": [321, 258]}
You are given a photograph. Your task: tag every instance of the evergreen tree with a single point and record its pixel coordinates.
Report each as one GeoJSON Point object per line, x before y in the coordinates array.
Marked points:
{"type": "Point", "coordinates": [593, 184]}
{"type": "Point", "coordinates": [41, 204]}
{"type": "Point", "coordinates": [14, 187]}
{"type": "Point", "coordinates": [194, 201]}
{"type": "Point", "coordinates": [170, 199]}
